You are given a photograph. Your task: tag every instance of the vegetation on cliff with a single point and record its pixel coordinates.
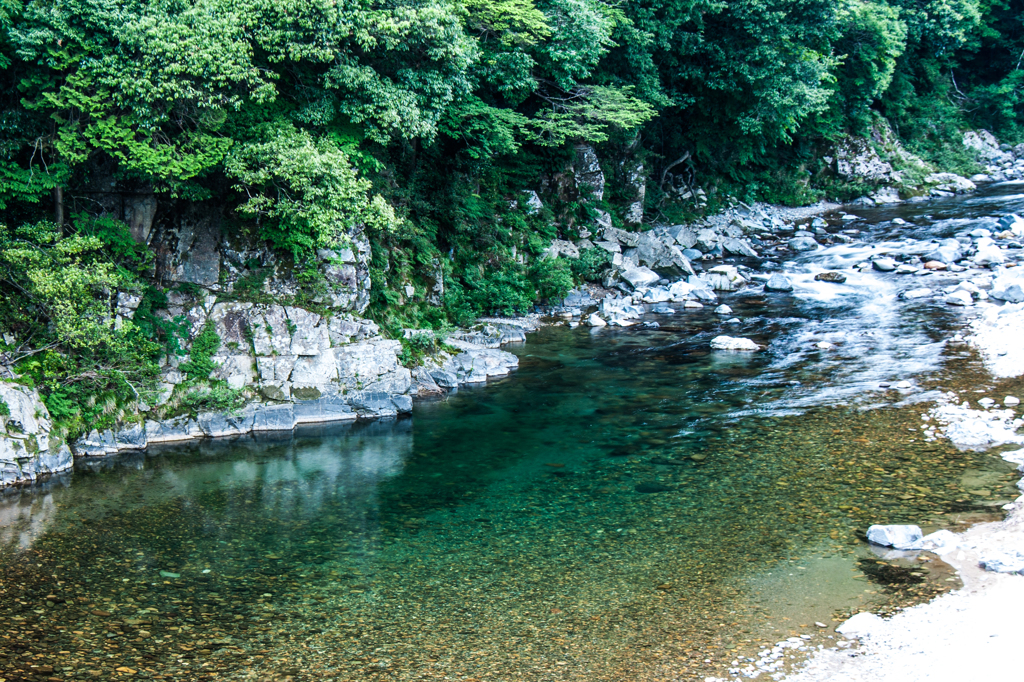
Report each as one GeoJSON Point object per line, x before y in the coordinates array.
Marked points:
{"type": "Point", "coordinates": [423, 123]}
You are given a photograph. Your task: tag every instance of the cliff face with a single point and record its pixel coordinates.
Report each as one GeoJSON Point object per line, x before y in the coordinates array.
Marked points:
{"type": "Point", "coordinates": [27, 448]}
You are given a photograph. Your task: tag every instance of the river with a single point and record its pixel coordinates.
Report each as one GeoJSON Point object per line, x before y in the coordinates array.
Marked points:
{"type": "Point", "coordinates": [628, 505]}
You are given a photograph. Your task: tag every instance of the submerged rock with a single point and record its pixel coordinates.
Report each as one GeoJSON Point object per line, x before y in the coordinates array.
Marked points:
{"type": "Point", "coordinates": [800, 244]}
{"type": "Point", "coordinates": [835, 277]}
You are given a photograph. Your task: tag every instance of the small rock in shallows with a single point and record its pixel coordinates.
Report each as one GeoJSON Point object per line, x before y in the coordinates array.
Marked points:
{"type": "Point", "coordinates": [733, 343]}
{"type": "Point", "coordinates": [823, 345]}
{"type": "Point", "coordinates": [904, 385]}
{"type": "Point", "coordinates": [1011, 401]}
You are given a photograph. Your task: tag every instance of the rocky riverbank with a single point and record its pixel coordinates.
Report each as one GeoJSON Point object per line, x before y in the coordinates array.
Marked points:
{"type": "Point", "coordinates": [288, 364]}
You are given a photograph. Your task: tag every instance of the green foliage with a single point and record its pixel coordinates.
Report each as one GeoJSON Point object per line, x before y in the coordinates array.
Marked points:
{"type": "Point", "coordinates": [208, 398]}
{"type": "Point", "coordinates": [200, 356]}
{"type": "Point", "coordinates": [591, 264]}
{"type": "Point", "coordinates": [5, 410]}
{"type": "Point", "coordinates": [303, 190]}
{"type": "Point", "coordinates": [552, 278]}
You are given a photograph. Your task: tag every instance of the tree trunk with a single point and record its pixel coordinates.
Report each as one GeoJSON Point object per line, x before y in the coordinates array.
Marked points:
{"type": "Point", "coordinates": [58, 208]}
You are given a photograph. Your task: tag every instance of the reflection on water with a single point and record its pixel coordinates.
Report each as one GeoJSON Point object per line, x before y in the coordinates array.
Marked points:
{"type": "Point", "coordinates": [628, 505]}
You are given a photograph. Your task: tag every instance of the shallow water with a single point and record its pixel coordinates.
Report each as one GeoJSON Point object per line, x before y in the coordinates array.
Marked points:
{"type": "Point", "coordinates": [627, 505]}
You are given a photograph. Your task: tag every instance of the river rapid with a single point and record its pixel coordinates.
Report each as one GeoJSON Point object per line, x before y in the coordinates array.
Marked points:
{"type": "Point", "coordinates": [628, 505]}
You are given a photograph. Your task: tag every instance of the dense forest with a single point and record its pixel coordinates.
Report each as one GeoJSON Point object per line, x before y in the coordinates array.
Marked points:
{"type": "Point", "coordinates": [423, 124]}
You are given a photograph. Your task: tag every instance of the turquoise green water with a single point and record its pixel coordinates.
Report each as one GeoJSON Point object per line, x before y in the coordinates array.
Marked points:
{"type": "Point", "coordinates": [628, 505]}
{"type": "Point", "coordinates": [499, 534]}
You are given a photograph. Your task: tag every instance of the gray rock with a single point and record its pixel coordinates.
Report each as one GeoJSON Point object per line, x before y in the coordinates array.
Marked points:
{"type": "Point", "coordinates": [588, 174]}
{"type": "Point", "coordinates": [884, 264]}
{"type": "Point", "coordinates": [446, 379]}
{"type": "Point", "coordinates": [1010, 561]}
{"type": "Point", "coordinates": [834, 277]}
{"type": "Point", "coordinates": [778, 282]}
{"type": "Point", "coordinates": [172, 430]}
{"type": "Point", "coordinates": [916, 293]}
{"type": "Point", "coordinates": [1009, 286]}
{"type": "Point", "coordinates": [403, 403]}
{"type": "Point", "coordinates": [708, 240]}
{"type": "Point", "coordinates": [218, 424]}
{"type": "Point", "coordinates": [682, 235]}
{"type": "Point", "coordinates": [800, 244]}
{"type": "Point", "coordinates": [131, 438]}
{"type": "Point", "coordinates": [738, 247]}
{"type": "Point", "coordinates": [423, 384]}
{"type": "Point", "coordinates": [640, 277]}
{"type": "Point", "coordinates": [326, 409]}
{"type": "Point", "coordinates": [900, 537]}
{"type": "Point", "coordinates": [663, 309]}
{"type": "Point", "coordinates": [374, 404]}
{"type": "Point", "coordinates": [948, 251]}
{"type": "Point", "coordinates": [960, 298]}
{"type": "Point", "coordinates": [693, 254]}
{"type": "Point", "coordinates": [614, 234]}
{"type": "Point", "coordinates": [274, 417]}
{"type": "Point", "coordinates": [724, 278]}
{"type": "Point", "coordinates": [664, 259]}
{"type": "Point", "coordinates": [476, 366]}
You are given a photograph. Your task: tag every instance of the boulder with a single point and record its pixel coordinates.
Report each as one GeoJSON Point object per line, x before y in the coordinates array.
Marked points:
{"type": "Point", "coordinates": [560, 247]}
{"type": "Point", "coordinates": [708, 240]}
{"type": "Point", "coordinates": [948, 251]}
{"type": "Point", "coordinates": [778, 282]}
{"type": "Point", "coordinates": [1010, 561]}
{"type": "Point", "coordinates": [475, 366]}
{"type": "Point", "coordinates": [664, 259]}
{"type": "Point", "coordinates": [684, 236]}
{"type": "Point", "coordinates": [724, 278]}
{"type": "Point", "coordinates": [960, 298]}
{"type": "Point", "coordinates": [738, 247]}
{"type": "Point", "coordinates": [1009, 286]}
{"type": "Point", "coordinates": [614, 234]}
{"type": "Point", "coordinates": [831, 276]}
{"type": "Point", "coordinates": [897, 536]}
{"type": "Point", "coordinates": [800, 244]}
{"type": "Point", "coordinates": [950, 183]}
{"type": "Point", "coordinates": [884, 264]}
{"type": "Point", "coordinates": [639, 276]}
{"type": "Point", "coordinates": [733, 343]}
{"type": "Point", "coordinates": [28, 450]}
{"type": "Point", "coordinates": [988, 254]}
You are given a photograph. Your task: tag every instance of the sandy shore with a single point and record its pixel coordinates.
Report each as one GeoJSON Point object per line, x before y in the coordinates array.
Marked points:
{"type": "Point", "coordinates": [974, 632]}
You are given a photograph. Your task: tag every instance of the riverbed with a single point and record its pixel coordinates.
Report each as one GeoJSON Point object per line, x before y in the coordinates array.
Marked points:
{"type": "Point", "coordinates": [629, 504]}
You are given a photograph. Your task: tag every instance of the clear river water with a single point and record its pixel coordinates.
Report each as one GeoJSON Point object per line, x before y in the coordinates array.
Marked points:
{"type": "Point", "coordinates": [628, 505]}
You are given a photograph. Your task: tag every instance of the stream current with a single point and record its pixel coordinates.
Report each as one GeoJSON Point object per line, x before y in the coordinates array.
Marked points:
{"type": "Point", "coordinates": [628, 505]}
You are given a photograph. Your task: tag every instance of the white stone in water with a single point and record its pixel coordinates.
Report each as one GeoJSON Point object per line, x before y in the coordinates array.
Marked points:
{"type": "Point", "coordinates": [734, 320]}
{"type": "Point", "coordinates": [733, 343]}
{"type": "Point", "coordinates": [723, 310]}
{"type": "Point", "coordinates": [861, 625]}
{"type": "Point", "coordinates": [986, 402]}
{"type": "Point", "coordinates": [823, 345]}
{"type": "Point", "coordinates": [900, 537]}
{"type": "Point", "coordinates": [1011, 401]}
{"type": "Point", "coordinates": [693, 304]}
{"type": "Point", "coordinates": [960, 298]}
{"type": "Point", "coordinates": [904, 385]}
{"type": "Point", "coordinates": [595, 321]}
